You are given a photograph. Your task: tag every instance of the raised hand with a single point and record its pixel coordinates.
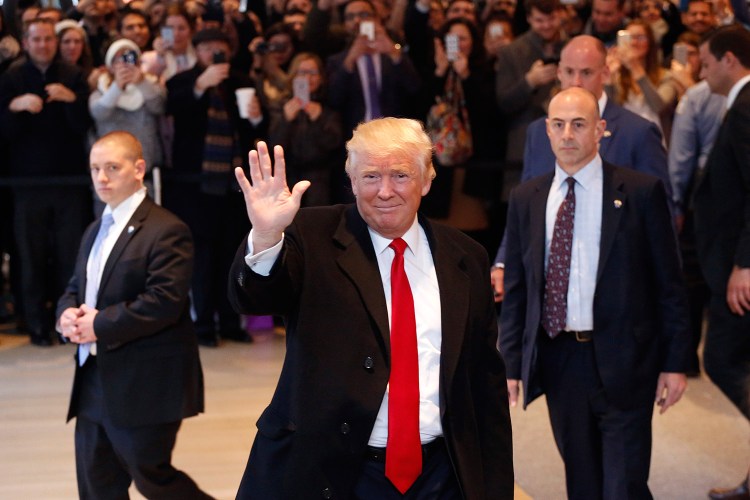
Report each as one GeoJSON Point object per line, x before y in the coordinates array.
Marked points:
{"type": "Point", "coordinates": [270, 205]}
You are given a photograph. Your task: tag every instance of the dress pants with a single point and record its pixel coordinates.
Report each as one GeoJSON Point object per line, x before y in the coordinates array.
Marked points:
{"type": "Point", "coordinates": [606, 450]}
{"type": "Point", "coordinates": [437, 481]}
{"type": "Point", "coordinates": [726, 352]}
{"type": "Point", "coordinates": [48, 222]}
{"type": "Point", "coordinates": [218, 224]}
{"type": "Point", "coordinates": [109, 457]}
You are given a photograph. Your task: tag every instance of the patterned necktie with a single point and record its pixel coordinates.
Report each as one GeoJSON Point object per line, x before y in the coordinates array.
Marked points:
{"type": "Point", "coordinates": [403, 455]}
{"type": "Point", "coordinates": [372, 88]}
{"type": "Point", "coordinates": [555, 312]}
{"type": "Point", "coordinates": [92, 277]}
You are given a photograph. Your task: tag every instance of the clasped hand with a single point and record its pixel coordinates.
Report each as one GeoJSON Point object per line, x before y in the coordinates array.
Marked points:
{"type": "Point", "coordinates": [77, 324]}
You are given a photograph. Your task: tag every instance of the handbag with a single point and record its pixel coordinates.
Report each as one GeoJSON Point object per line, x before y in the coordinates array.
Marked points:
{"type": "Point", "coordinates": [448, 124]}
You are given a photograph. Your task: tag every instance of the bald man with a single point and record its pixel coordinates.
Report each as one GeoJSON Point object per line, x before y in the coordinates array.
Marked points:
{"type": "Point", "coordinates": [595, 312]}
{"type": "Point", "coordinates": [628, 140]}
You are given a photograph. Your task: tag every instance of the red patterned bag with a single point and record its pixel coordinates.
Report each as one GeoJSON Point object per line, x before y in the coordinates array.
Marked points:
{"type": "Point", "coordinates": [448, 125]}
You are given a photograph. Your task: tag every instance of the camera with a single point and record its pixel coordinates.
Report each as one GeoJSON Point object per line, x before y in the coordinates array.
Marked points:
{"type": "Point", "coordinates": [219, 57]}
{"type": "Point", "coordinates": [130, 57]}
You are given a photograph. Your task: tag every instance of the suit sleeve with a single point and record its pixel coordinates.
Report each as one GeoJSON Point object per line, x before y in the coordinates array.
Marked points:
{"type": "Point", "coordinates": [649, 156]}
{"type": "Point", "coordinates": [492, 408]}
{"type": "Point", "coordinates": [252, 293]}
{"type": "Point", "coordinates": [513, 314]}
{"type": "Point", "coordinates": [738, 122]}
{"type": "Point", "coordinates": [674, 328]}
{"type": "Point", "coordinates": [163, 299]}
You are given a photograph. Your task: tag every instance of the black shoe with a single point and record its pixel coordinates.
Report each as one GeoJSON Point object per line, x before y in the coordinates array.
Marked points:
{"type": "Point", "coordinates": [236, 334]}
{"type": "Point", "coordinates": [741, 492]}
{"type": "Point", "coordinates": [41, 339]}
{"type": "Point", "coordinates": [207, 339]}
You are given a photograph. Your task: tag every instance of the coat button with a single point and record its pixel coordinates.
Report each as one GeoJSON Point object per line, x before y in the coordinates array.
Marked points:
{"type": "Point", "coordinates": [345, 428]}
{"type": "Point", "coordinates": [327, 493]}
{"type": "Point", "coordinates": [369, 363]}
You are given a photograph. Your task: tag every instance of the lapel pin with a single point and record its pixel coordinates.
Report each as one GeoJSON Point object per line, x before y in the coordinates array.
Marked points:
{"type": "Point", "coordinates": [607, 133]}
{"type": "Point", "coordinates": [618, 203]}
{"type": "Point", "coordinates": [131, 229]}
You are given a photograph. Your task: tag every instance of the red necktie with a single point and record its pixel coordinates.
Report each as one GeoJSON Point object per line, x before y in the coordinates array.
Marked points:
{"type": "Point", "coordinates": [403, 455]}
{"type": "Point", "coordinates": [555, 312]}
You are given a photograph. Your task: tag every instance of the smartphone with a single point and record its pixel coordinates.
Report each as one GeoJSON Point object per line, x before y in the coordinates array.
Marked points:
{"type": "Point", "coordinates": [219, 57]}
{"type": "Point", "coordinates": [680, 53]}
{"type": "Point", "coordinates": [624, 38]}
{"type": "Point", "coordinates": [551, 60]}
{"type": "Point", "coordinates": [367, 28]}
{"type": "Point", "coordinates": [451, 46]}
{"type": "Point", "coordinates": [130, 57]}
{"type": "Point", "coordinates": [496, 30]}
{"type": "Point", "coordinates": [167, 36]}
{"type": "Point", "coordinates": [301, 88]}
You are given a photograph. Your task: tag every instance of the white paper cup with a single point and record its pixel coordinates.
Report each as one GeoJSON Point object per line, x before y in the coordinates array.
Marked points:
{"type": "Point", "coordinates": [244, 96]}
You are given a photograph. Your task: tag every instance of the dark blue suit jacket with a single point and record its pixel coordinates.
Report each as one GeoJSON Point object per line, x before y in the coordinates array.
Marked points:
{"type": "Point", "coordinates": [640, 305]}
{"type": "Point", "coordinates": [628, 141]}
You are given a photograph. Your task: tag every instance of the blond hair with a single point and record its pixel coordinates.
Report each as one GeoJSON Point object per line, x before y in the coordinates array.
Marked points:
{"type": "Point", "coordinates": [388, 137]}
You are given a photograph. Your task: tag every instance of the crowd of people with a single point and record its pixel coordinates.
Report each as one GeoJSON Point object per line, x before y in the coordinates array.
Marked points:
{"type": "Point", "coordinates": [198, 84]}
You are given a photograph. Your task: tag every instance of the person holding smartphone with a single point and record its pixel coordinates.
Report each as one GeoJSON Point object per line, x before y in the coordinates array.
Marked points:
{"type": "Point", "coordinates": [639, 83]}
{"type": "Point", "coordinates": [372, 77]}
{"type": "Point", "coordinates": [173, 52]}
{"type": "Point", "coordinates": [128, 99]}
{"type": "Point", "coordinates": [469, 187]}
{"type": "Point", "coordinates": [309, 130]}
{"type": "Point", "coordinates": [210, 139]}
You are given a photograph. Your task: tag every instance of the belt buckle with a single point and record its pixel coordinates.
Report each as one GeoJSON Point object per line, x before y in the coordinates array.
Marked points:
{"type": "Point", "coordinates": [582, 338]}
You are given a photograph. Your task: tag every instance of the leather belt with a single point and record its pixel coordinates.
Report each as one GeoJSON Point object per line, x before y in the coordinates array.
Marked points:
{"type": "Point", "coordinates": [580, 336]}
{"type": "Point", "coordinates": [378, 454]}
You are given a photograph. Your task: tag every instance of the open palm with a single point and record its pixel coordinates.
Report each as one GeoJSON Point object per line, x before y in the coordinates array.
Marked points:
{"type": "Point", "coordinates": [271, 206]}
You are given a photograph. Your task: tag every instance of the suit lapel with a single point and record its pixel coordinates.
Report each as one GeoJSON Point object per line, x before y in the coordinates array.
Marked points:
{"type": "Point", "coordinates": [359, 263]}
{"type": "Point", "coordinates": [610, 116]}
{"type": "Point", "coordinates": [454, 285]}
{"type": "Point", "coordinates": [130, 230]}
{"type": "Point", "coordinates": [538, 224]}
{"type": "Point", "coordinates": [613, 201]}
{"type": "Point", "coordinates": [83, 259]}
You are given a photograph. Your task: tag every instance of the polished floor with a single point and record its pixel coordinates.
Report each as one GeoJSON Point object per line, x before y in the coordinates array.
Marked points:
{"type": "Point", "coordinates": [698, 444]}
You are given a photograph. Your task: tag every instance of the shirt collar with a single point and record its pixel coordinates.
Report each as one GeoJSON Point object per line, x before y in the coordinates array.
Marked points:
{"type": "Point", "coordinates": [735, 90]}
{"type": "Point", "coordinates": [602, 103]}
{"type": "Point", "coordinates": [411, 237]}
{"type": "Point", "coordinates": [125, 210]}
{"type": "Point", "coordinates": [586, 177]}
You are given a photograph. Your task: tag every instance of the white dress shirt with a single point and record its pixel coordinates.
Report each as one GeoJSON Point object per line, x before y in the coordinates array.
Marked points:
{"type": "Point", "coordinates": [735, 90]}
{"type": "Point", "coordinates": [587, 230]}
{"type": "Point", "coordinates": [420, 269]}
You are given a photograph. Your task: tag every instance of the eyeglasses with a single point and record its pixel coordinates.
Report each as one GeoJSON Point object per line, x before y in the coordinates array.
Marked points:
{"type": "Point", "coordinates": [352, 16]}
{"type": "Point", "coordinates": [308, 72]}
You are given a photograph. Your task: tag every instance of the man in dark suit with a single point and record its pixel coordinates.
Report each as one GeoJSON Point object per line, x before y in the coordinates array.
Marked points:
{"type": "Point", "coordinates": [371, 78]}
{"type": "Point", "coordinates": [392, 386]}
{"type": "Point", "coordinates": [525, 77]}
{"type": "Point", "coordinates": [209, 140]}
{"type": "Point", "coordinates": [137, 368]}
{"type": "Point", "coordinates": [722, 225]}
{"type": "Point", "coordinates": [44, 120]}
{"type": "Point", "coordinates": [595, 313]}
{"type": "Point", "coordinates": [628, 141]}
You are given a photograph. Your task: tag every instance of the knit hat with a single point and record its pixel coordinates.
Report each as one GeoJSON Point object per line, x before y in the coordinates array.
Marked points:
{"type": "Point", "coordinates": [117, 46]}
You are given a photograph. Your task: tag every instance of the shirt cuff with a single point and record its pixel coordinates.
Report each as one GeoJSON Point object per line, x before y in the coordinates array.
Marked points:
{"type": "Point", "coordinates": [262, 262]}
